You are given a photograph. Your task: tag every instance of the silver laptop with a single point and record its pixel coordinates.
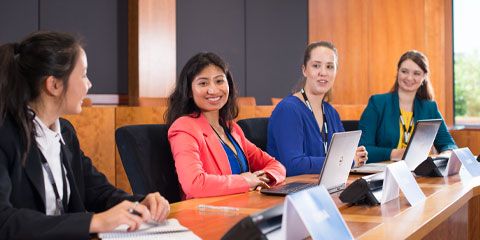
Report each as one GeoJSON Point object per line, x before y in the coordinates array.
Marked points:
{"type": "Point", "coordinates": [421, 142]}
{"type": "Point", "coordinates": [339, 160]}
{"type": "Point", "coordinates": [417, 149]}
{"type": "Point", "coordinates": [336, 167]}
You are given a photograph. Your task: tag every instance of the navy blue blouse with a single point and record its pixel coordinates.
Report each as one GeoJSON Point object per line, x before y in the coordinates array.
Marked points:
{"type": "Point", "coordinates": [294, 136]}
{"type": "Point", "coordinates": [238, 163]}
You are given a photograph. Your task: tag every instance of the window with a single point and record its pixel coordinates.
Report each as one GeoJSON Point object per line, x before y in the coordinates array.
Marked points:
{"type": "Point", "coordinates": [466, 57]}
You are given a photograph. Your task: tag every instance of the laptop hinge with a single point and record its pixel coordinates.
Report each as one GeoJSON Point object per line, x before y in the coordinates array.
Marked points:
{"type": "Point", "coordinates": [336, 188]}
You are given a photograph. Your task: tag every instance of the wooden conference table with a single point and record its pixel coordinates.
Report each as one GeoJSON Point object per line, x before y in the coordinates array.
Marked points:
{"type": "Point", "coordinates": [451, 211]}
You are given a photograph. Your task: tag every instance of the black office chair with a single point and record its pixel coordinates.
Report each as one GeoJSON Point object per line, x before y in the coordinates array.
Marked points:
{"type": "Point", "coordinates": [148, 161]}
{"type": "Point", "coordinates": [350, 125]}
{"type": "Point", "coordinates": [255, 130]}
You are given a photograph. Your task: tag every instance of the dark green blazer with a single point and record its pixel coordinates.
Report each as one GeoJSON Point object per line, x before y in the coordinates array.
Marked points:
{"type": "Point", "coordinates": [381, 130]}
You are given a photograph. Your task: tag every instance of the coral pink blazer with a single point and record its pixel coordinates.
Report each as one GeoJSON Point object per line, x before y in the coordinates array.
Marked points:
{"type": "Point", "coordinates": [202, 164]}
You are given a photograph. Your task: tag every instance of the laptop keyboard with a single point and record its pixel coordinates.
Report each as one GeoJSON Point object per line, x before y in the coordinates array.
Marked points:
{"type": "Point", "coordinates": [291, 187]}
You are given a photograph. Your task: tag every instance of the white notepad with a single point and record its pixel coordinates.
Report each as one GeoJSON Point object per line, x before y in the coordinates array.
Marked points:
{"type": "Point", "coordinates": [170, 229]}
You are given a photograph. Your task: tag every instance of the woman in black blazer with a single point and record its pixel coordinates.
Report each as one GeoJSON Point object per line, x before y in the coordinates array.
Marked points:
{"type": "Point", "coordinates": [42, 78]}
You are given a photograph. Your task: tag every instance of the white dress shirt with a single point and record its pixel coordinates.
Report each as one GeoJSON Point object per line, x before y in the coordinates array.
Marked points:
{"type": "Point", "coordinates": [48, 141]}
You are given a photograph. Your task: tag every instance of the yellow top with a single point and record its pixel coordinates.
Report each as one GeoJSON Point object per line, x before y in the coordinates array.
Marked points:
{"type": "Point", "coordinates": [407, 118]}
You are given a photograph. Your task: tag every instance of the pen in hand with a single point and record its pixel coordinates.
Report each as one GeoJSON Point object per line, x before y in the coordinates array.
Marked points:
{"type": "Point", "coordinates": [149, 222]}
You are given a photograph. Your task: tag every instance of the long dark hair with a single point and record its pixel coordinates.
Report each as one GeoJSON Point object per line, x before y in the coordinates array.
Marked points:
{"type": "Point", "coordinates": [24, 67]}
{"type": "Point", "coordinates": [307, 55]}
{"type": "Point", "coordinates": [180, 102]}
{"type": "Point", "coordinates": [425, 91]}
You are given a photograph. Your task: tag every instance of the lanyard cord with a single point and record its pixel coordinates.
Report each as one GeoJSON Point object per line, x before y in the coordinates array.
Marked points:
{"type": "Point", "coordinates": [406, 133]}
{"type": "Point", "coordinates": [243, 169]}
{"type": "Point", "coordinates": [60, 204]}
{"type": "Point", "coordinates": [324, 131]}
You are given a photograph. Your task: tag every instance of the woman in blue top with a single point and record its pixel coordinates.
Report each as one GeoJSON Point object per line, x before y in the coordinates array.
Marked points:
{"type": "Point", "coordinates": [302, 124]}
{"type": "Point", "coordinates": [388, 120]}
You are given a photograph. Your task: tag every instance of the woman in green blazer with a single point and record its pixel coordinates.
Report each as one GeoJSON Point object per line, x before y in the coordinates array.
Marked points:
{"type": "Point", "coordinates": [388, 120]}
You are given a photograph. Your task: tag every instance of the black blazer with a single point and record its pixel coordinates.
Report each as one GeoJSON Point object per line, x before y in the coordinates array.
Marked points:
{"type": "Point", "coordinates": [22, 190]}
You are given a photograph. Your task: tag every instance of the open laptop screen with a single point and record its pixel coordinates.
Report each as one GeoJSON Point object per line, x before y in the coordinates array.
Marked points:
{"type": "Point", "coordinates": [421, 142]}
{"type": "Point", "coordinates": [339, 159]}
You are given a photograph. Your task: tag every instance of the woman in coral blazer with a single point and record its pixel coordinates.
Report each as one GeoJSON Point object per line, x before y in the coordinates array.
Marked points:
{"type": "Point", "coordinates": [212, 155]}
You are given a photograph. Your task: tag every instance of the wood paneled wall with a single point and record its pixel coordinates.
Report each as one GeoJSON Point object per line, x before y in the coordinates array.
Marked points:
{"type": "Point", "coordinates": [350, 112]}
{"type": "Point", "coordinates": [95, 128]}
{"type": "Point", "coordinates": [371, 35]}
{"type": "Point", "coordinates": [152, 48]}
{"type": "Point", "coordinates": [467, 138]}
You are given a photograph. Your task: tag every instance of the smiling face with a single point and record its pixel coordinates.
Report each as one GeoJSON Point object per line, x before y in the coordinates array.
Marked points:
{"type": "Point", "coordinates": [409, 76]}
{"type": "Point", "coordinates": [210, 89]}
{"type": "Point", "coordinates": [320, 71]}
{"type": "Point", "coordinates": [78, 86]}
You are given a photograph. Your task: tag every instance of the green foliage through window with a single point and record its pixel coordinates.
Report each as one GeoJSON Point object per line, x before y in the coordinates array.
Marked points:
{"type": "Point", "coordinates": [467, 84]}
{"type": "Point", "coordinates": [466, 59]}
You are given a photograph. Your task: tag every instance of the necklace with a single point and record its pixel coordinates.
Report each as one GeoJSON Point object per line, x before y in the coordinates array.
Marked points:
{"type": "Point", "coordinates": [235, 153]}
{"type": "Point", "coordinates": [324, 131]}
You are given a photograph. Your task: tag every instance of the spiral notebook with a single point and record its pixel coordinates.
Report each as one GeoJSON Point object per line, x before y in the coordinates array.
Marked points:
{"type": "Point", "coordinates": [170, 229]}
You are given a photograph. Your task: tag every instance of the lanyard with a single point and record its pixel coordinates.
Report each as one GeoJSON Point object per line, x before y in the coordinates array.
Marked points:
{"type": "Point", "coordinates": [406, 132]}
{"type": "Point", "coordinates": [324, 131]}
{"type": "Point", "coordinates": [61, 204]}
{"type": "Point", "coordinates": [242, 167]}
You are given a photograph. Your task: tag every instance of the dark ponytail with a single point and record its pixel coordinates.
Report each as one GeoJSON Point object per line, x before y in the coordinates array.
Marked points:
{"type": "Point", "coordinates": [24, 67]}
{"type": "Point", "coordinates": [7, 63]}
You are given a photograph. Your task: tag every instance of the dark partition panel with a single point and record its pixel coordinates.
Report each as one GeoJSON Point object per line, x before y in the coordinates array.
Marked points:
{"type": "Point", "coordinates": [17, 19]}
{"type": "Point", "coordinates": [216, 26]}
{"type": "Point", "coordinates": [103, 24]}
{"type": "Point", "coordinates": [262, 40]}
{"type": "Point", "coordinates": [277, 33]}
